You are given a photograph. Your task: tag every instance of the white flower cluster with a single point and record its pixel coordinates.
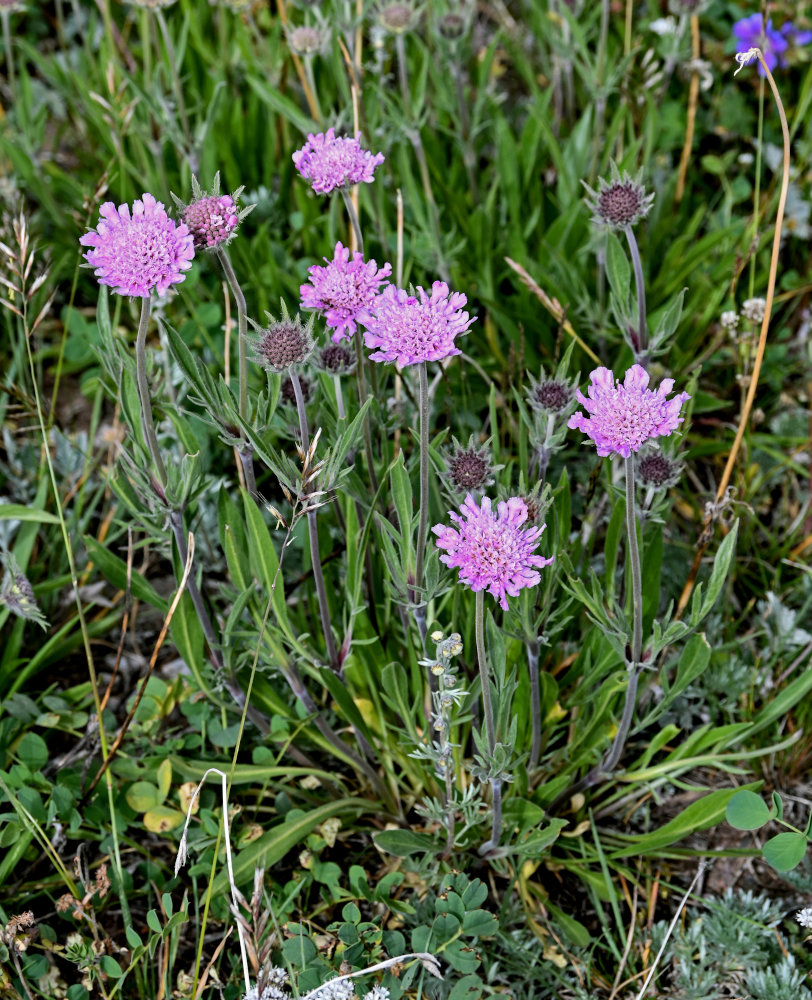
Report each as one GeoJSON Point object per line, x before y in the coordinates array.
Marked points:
{"type": "Point", "coordinates": [804, 917]}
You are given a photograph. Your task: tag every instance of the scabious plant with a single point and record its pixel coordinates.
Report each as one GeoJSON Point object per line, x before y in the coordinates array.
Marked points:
{"type": "Point", "coordinates": [344, 290]}
{"type": "Point", "coordinates": [137, 251]}
{"type": "Point", "coordinates": [284, 344]}
{"type": "Point", "coordinates": [212, 218]}
{"type": "Point", "coordinates": [408, 329]}
{"type": "Point", "coordinates": [492, 550]}
{"type": "Point", "coordinates": [622, 417]}
{"type": "Point", "coordinates": [332, 162]}
{"type": "Point", "coordinates": [468, 468]}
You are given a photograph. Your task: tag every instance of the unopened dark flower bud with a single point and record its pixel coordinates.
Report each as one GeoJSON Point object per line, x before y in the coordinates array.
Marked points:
{"type": "Point", "coordinates": [619, 202]}
{"type": "Point", "coordinates": [468, 469]}
{"type": "Point", "coordinates": [657, 470]}
{"type": "Point", "coordinates": [285, 343]}
{"type": "Point", "coordinates": [398, 17]}
{"type": "Point", "coordinates": [549, 395]}
{"type": "Point", "coordinates": [335, 359]}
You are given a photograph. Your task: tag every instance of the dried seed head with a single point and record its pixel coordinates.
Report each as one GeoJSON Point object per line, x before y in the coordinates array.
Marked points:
{"type": "Point", "coordinates": [468, 469]}
{"type": "Point", "coordinates": [658, 470]}
{"type": "Point", "coordinates": [335, 359]}
{"type": "Point", "coordinates": [620, 202]}
{"type": "Point", "coordinates": [451, 27]}
{"type": "Point", "coordinates": [284, 343]}
{"type": "Point", "coordinates": [398, 17]}
{"type": "Point", "coordinates": [306, 40]}
{"type": "Point", "coordinates": [754, 309]}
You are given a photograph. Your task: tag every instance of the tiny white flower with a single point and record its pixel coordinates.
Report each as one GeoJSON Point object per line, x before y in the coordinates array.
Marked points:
{"type": "Point", "coordinates": [729, 319]}
{"type": "Point", "coordinates": [664, 25]}
{"type": "Point", "coordinates": [804, 917]}
{"type": "Point", "coordinates": [753, 309]}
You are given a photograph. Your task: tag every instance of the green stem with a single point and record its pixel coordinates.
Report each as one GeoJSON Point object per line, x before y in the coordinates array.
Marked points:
{"type": "Point", "coordinates": [490, 729]}
{"type": "Point", "coordinates": [142, 386]}
{"type": "Point", "coordinates": [313, 533]}
{"type": "Point", "coordinates": [612, 759]}
{"type": "Point", "coordinates": [246, 452]}
{"type": "Point", "coordinates": [641, 348]}
{"type": "Point", "coordinates": [535, 702]}
{"type": "Point", "coordinates": [12, 78]}
{"type": "Point", "coordinates": [423, 523]}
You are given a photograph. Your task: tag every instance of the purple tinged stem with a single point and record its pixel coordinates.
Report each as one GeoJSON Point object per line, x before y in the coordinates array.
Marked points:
{"type": "Point", "coordinates": [641, 350]}
{"type": "Point", "coordinates": [490, 729]}
{"type": "Point", "coordinates": [142, 386]}
{"type": "Point", "coordinates": [246, 452]}
{"type": "Point", "coordinates": [423, 523]}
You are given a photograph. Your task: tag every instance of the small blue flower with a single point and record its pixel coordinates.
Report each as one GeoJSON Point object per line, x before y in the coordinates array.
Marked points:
{"type": "Point", "coordinates": [749, 33]}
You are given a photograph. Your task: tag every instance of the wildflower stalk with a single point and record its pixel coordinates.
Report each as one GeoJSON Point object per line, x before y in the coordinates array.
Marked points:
{"type": "Point", "coordinates": [612, 759]}
{"type": "Point", "coordinates": [423, 522]}
{"type": "Point", "coordinates": [706, 533]}
{"type": "Point", "coordinates": [246, 452]}
{"type": "Point", "coordinates": [535, 702]}
{"type": "Point", "coordinates": [147, 422]}
{"type": "Point", "coordinates": [490, 730]}
{"type": "Point", "coordinates": [359, 354]}
{"type": "Point", "coordinates": [642, 336]}
{"type": "Point", "coordinates": [313, 533]}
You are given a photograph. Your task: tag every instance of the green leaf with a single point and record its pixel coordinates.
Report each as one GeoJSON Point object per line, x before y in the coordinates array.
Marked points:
{"type": "Point", "coordinates": [276, 842]}
{"type": "Point", "coordinates": [699, 815]}
{"type": "Point", "coordinates": [142, 796]}
{"type": "Point", "coordinates": [785, 851]}
{"type": "Point", "coordinates": [110, 967]}
{"type": "Point", "coordinates": [153, 922]}
{"type": "Point", "coordinates": [479, 923]}
{"type": "Point", "coordinates": [747, 811]}
{"type": "Point", "coordinates": [21, 512]}
{"type": "Point", "coordinates": [33, 751]}
{"type": "Point", "coordinates": [618, 270]}
{"type": "Point", "coordinates": [114, 569]}
{"type": "Point", "coordinates": [405, 843]}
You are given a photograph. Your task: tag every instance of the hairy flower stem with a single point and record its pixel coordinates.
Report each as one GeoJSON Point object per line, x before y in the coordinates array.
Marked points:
{"type": "Point", "coordinates": [641, 348]}
{"type": "Point", "coordinates": [535, 702]}
{"type": "Point", "coordinates": [313, 532]}
{"type": "Point", "coordinates": [612, 759]}
{"type": "Point", "coordinates": [423, 523]}
{"type": "Point", "coordinates": [142, 386]}
{"type": "Point", "coordinates": [490, 729]}
{"type": "Point", "coordinates": [359, 354]}
{"type": "Point", "coordinates": [246, 452]}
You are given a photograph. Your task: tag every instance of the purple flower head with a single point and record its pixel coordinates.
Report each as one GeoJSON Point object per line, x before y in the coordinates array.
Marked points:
{"type": "Point", "coordinates": [212, 220]}
{"type": "Point", "coordinates": [134, 253]}
{"type": "Point", "coordinates": [330, 163]}
{"type": "Point", "coordinates": [408, 329]}
{"type": "Point", "coordinates": [623, 417]}
{"type": "Point", "coordinates": [749, 34]}
{"type": "Point", "coordinates": [493, 552]}
{"type": "Point", "coordinates": [345, 290]}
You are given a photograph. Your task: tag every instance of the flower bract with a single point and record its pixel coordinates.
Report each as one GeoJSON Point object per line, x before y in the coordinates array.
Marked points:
{"type": "Point", "coordinates": [137, 251]}
{"type": "Point", "coordinates": [622, 416]}
{"type": "Point", "coordinates": [407, 329]}
{"type": "Point", "coordinates": [492, 549]}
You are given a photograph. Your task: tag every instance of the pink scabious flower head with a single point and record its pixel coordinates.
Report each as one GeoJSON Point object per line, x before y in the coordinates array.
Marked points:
{"type": "Point", "coordinates": [331, 162]}
{"type": "Point", "coordinates": [407, 329]}
{"type": "Point", "coordinates": [622, 417]}
{"type": "Point", "coordinates": [492, 551]}
{"type": "Point", "coordinates": [136, 252]}
{"type": "Point", "coordinates": [212, 217]}
{"type": "Point", "coordinates": [344, 290]}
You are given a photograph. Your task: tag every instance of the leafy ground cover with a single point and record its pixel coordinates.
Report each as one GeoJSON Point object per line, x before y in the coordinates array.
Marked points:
{"type": "Point", "coordinates": [405, 517]}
